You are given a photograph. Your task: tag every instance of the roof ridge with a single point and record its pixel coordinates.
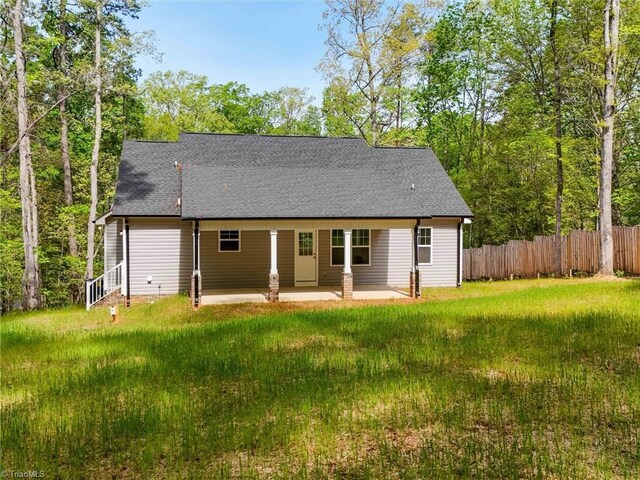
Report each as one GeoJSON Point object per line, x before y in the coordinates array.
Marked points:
{"type": "Point", "coordinates": [353, 137]}
{"type": "Point", "coordinates": [407, 147]}
{"type": "Point", "coordinates": [216, 133]}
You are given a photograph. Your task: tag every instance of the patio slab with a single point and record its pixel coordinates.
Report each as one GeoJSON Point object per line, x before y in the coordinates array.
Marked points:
{"type": "Point", "coordinates": [299, 294]}
{"type": "Point", "coordinates": [233, 295]}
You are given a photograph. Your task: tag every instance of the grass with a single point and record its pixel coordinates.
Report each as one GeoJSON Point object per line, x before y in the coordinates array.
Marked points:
{"type": "Point", "coordinates": [522, 379]}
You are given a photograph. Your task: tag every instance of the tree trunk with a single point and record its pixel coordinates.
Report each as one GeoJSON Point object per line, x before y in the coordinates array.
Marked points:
{"type": "Point", "coordinates": [31, 295]}
{"type": "Point", "coordinates": [64, 131]}
{"type": "Point", "coordinates": [95, 156]}
{"type": "Point", "coordinates": [611, 26]}
{"type": "Point", "coordinates": [398, 108]}
{"type": "Point", "coordinates": [76, 286]}
{"type": "Point", "coordinates": [557, 111]}
{"type": "Point", "coordinates": [68, 185]}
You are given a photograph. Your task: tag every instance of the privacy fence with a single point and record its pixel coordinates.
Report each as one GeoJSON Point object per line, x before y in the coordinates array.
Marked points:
{"type": "Point", "coordinates": [526, 259]}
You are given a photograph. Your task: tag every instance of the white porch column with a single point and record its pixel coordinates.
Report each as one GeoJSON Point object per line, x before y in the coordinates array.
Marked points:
{"type": "Point", "coordinates": [274, 252]}
{"type": "Point", "coordinates": [414, 275]}
{"type": "Point", "coordinates": [196, 278]}
{"type": "Point", "coordinates": [347, 275]}
{"type": "Point", "coordinates": [347, 251]}
{"type": "Point", "coordinates": [274, 278]}
{"type": "Point", "coordinates": [413, 252]}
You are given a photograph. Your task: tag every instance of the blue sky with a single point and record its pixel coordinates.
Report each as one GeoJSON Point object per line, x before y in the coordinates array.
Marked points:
{"type": "Point", "coordinates": [264, 44]}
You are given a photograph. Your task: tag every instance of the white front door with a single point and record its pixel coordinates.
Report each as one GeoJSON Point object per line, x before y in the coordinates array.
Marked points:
{"type": "Point", "coordinates": [305, 258]}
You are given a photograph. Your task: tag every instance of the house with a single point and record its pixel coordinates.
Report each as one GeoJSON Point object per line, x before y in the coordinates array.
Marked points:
{"type": "Point", "coordinates": [220, 211]}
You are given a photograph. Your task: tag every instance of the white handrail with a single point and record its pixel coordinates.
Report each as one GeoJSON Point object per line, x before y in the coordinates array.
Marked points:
{"type": "Point", "coordinates": [98, 288]}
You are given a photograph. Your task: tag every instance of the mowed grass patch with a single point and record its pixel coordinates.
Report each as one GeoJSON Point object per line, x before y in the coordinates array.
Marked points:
{"type": "Point", "coordinates": [506, 380]}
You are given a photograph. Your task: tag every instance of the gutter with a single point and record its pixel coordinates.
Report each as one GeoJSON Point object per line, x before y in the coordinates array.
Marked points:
{"type": "Point", "coordinates": [185, 218]}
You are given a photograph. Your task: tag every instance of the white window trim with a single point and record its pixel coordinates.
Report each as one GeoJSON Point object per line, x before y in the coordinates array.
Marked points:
{"type": "Point", "coordinates": [331, 247]}
{"type": "Point", "coordinates": [426, 246]}
{"type": "Point", "coordinates": [220, 240]}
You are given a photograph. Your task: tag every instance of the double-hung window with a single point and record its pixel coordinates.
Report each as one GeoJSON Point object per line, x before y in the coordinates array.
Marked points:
{"type": "Point", "coordinates": [360, 247]}
{"type": "Point", "coordinates": [425, 245]}
{"type": "Point", "coordinates": [229, 241]}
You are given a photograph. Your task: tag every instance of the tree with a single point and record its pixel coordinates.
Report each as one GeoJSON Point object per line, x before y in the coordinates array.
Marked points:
{"type": "Point", "coordinates": [402, 52]}
{"type": "Point", "coordinates": [63, 61]}
{"type": "Point", "coordinates": [361, 54]}
{"type": "Point", "coordinates": [54, 100]}
{"type": "Point", "coordinates": [246, 111]}
{"type": "Point", "coordinates": [184, 102]}
{"type": "Point", "coordinates": [95, 156]}
{"type": "Point", "coordinates": [338, 107]}
{"type": "Point", "coordinates": [611, 36]}
{"type": "Point", "coordinates": [452, 95]}
{"type": "Point", "coordinates": [60, 19]}
{"type": "Point", "coordinates": [107, 17]}
{"type": "Point", "coordinates": [293, 113]}
{"type": "Point", "coordinates": [31, 296]}
{"type": "Point", "coordinates": [557, 114]}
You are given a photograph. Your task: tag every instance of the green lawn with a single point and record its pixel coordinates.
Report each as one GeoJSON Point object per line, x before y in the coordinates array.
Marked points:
{"type": "Point", "coordinates": [522, 379]}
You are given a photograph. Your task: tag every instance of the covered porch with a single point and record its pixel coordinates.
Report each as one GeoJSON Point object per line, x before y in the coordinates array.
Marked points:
{"type": "Point", "coordinates": [300, 294]}
{"type": "Point", "coordinates": [302, 260]}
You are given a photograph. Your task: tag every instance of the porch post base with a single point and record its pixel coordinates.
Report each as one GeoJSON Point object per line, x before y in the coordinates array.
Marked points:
{"type": "Point", "coordinates": [414, 288]}
{"type": "Point", "coordinates": [196, 291]}
{"type": "Point", "coordinates": [192, 291]}
{"type": "Point", "coordinates": [347, 286]}
{"type": "Point", "coordinates": [274, 288]}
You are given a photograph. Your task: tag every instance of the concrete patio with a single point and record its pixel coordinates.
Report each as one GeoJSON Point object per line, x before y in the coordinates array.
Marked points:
{"type": "Point", "coordinates": [299, 294]}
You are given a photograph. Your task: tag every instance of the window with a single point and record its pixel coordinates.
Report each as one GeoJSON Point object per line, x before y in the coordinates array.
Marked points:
{"type": "Point", "coordinates": [424, 245]}
{"type": "Point", "coordinates": [337, 247]}
{"type": "Point", "coordinates": [229, 241]}
{"type": "Point", "coordinates": [360, 247]}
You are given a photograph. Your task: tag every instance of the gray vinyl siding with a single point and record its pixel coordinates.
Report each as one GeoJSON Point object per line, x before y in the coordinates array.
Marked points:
{"type": "Point", "coordinates": [250, 266]}
{"type": "Point", "coordinates": [161, 248]}
{"type": "Point", "coordinates": [113, 243]}
{"type": "Point", "coordinates": [443, 270]}
{"type": "Point", "coordinates": [391, 258]}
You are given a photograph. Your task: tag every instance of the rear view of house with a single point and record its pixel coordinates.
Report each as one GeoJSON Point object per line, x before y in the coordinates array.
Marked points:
{"type": "Point", "coordinates": [215, 211]}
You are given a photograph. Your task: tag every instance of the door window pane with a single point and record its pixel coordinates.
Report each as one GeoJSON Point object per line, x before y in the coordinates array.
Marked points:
{"type": "Point", "coordinates": [305, 244]}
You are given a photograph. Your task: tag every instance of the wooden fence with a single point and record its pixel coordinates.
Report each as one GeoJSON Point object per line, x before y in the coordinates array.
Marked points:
{"type": "Point", "coordinates": [527, 259]}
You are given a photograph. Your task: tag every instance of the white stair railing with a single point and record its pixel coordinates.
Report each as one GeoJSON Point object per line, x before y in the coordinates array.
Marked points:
{"type": "Point", "coordinates": [98, 288]}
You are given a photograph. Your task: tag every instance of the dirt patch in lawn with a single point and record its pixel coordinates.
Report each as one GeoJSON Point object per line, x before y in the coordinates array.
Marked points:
{"type": "Point", "coordinates": [226, 311]}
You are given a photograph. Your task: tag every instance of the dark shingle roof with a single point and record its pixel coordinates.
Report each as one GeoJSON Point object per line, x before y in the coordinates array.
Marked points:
{"type": "Point", "coordinates": [148, 184]}
{"type": "Point", "coordinates": [262, 176]}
